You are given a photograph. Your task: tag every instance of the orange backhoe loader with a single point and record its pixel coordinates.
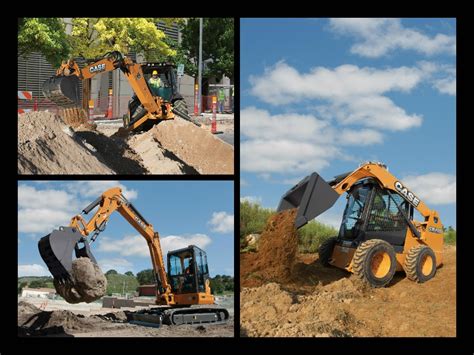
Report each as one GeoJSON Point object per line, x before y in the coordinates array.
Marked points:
{"type": "Point", "coordinates": [378, 235]}
{"type": "Point", "coordinates": [144, 107]}
{"type": "Point", "coordinates": [186, 283]}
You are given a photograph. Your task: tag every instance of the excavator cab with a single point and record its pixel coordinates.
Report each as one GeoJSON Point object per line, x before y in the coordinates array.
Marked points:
{"type": "Point", "coordinates": [187, 270]}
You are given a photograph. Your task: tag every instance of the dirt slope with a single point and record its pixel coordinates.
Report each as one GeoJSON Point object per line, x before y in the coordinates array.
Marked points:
{"type": "Point", "coordinates": [46, 146]}
{"type": "Point", "coordinates": [320, 302]}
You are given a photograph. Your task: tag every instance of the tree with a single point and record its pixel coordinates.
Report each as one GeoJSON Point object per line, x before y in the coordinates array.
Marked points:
{"type": "Point", "coordinates": [129, 273]}
{"type": "Point", "coordinates": [21, 286]}
{"type": "Point", "coordinates": [44, 35]}
{"type": "Point", "coordinates": [217, 47]}
{"type": "Point", "coordinates": [145, 277]}
{"type": "Point", "coordinates": [111, 272]}
{"type": "Point", "coordinates": [37, 284]}
{"type": "Point", "coordinates": [93, 37]}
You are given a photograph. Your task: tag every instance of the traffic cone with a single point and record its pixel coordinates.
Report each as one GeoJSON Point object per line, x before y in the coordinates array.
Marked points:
{"type": "Point", "coordinates": [214, 123]}
{"type": "Point", "coordinates": [109, 109]}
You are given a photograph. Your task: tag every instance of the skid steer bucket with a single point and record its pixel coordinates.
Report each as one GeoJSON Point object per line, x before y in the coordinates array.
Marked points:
{"type": "Point", "coordinates": [311, 196]}
{"type": "Point", "coordinates": [56, 251]}
{"type": "Point", "coordinates": [63, 90]}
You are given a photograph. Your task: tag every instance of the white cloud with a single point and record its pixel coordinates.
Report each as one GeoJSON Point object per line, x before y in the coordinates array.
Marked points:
{"type": "Point", "coordinates": [243, 182]}
{"type": "Point", "coordinates": [354, 96]}
{"type": "Point", "coordinates": [282, 84]}
{"type": "Point", "coordinates": [118, 264]}
{"type": "Point", "coordinates": [40, 211]}
{"type": "Point", "coordinates": [251, 199]}
{"type": "Point", "coordinates": [130, 245]}
{"type": "Point", "coordinates": [441, 76]}
{"type": "Point", "coordinates": [95, 188]}
{"type": "Point", "coordinates": [433, 188]}
{"type": "Point", "coordinates": [359, 137]}
{"type": "Point", "coordinates": [32, 270]}
{"type": "Point", "coordinates": [222, 222]}
{"type": "Point", "coordinates": [378, 36]}
{"type": "Point", "coordinates": [282, 143]}
{"type": "Point", "coordinates": [135, 245]}
{"type": "Point", "coordinates": [173, 242]}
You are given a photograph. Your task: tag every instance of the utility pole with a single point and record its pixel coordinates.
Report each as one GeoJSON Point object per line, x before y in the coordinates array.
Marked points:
{"type": "Point", "coordinates": [200, 68]}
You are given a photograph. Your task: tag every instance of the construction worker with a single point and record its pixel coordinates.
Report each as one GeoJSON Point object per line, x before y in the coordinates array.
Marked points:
{"type": "Point", "coordinates": [221, 98]}
{"type": "Point", "coordinates": [155, 82]}
{"type": "Point", "coordinates": [232, 99]}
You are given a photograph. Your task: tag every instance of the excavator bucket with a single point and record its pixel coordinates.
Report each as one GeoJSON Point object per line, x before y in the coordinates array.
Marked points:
{"type": "Point", "coordinates": [56, 250]}
{"type": "Point", "coordinates": [311, 196]}
{"type": "Point", "coordinates": [63, 90]}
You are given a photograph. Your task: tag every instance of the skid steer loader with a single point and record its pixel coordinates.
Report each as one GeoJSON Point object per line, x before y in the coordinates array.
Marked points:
{"type": "Point", "coordinates": [378, 235]}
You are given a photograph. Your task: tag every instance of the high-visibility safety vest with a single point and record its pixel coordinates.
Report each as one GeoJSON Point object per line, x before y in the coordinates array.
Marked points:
{"type": "Point", "coordinates": [221, 95]}
{"type": "Point", "coordinates": [155, 83]}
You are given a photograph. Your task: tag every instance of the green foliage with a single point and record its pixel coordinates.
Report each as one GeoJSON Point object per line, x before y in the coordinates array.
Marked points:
{"type": "Point", "coordinates": [93, 37]}
{"type": "Point", "coordinates": [37, 284]}
{"type": "Point", "coordinates": [217, 44]}
{"type": "Point", "coordinates": [221, 284]}
{"type": "Point", "coordinates": [111, 272]}
{"type": "Point", "coordinates": [312, 235]}
{"type": "Point", "coordinates": [129, 273]}
{"type": "Point", "coordinates": [146, 277]}
{"type": "Point", "coordinates": [44, 35]}
{"type": "Point", "coordinates": [450, 236]}
{"type": "Point", "coordinates": [119, 283]}
{"type": "Point", "coordinates": [253, 219]}
{"type": "Point", "coordinates": [21, 285]}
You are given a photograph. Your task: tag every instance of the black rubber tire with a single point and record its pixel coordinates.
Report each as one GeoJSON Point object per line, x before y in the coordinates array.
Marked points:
{"type": "Point", "coordinates": [413, 263]}
{"type": "Point", "coordinates": [180, 105]}
{"type": "Point", "coordinates": [362, 262]}
{"type": "Point", "coordinates": [325, 250]}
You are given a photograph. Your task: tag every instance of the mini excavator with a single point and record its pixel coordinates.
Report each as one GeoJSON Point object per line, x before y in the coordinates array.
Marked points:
{"type": "Point", "coordinates": [185, 284]}
{"type": "Point", "coordinates": [378, 235]}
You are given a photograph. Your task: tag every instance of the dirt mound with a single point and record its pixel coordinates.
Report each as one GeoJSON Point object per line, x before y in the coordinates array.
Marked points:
{"type": "Point", "coordinates": [113, 152]}
{"type": "Point", "coordinates": [276, 254]}
{"type": "Point", "coordinates": [46, 145]}
{"type": "Point", "coordinates": [156, 159]}
{"type": "Point", "coordinates": [329, 302]}
{"type": "Point", "coordinates": [54, 322]}
{"type": "Point", "coordinates": [76, 117]}
{"type": "Point", "coordinates": [89, 282]}
{"type": "Point", "coordinates": [197, 147]}
{"type": "Point", "coordinates": [27, 308]}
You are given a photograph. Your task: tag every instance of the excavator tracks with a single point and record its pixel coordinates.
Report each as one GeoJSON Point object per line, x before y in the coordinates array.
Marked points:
{"type": "Point", "coordinates": [179, 316]}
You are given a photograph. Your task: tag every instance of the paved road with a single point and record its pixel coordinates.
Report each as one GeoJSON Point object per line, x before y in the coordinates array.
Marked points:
{"type": "Point", "coordinates": [227, 137]}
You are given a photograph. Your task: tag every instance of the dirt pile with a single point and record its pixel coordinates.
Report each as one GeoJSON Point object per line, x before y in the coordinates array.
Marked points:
{"type": "Point", "coordinates": [155, 158]}
{"type": "Point", "coordinates": [46, 145]}
{"type": "Point", "coordinates": [89, 282]}
{"type": "Point", "coordinates": [76, 117]}
{"type": "Point", "coordinates": [276, 254]}
{"type": "Point", "coordinates": [322, 302]}
{"type": "Point", "coordinates": [197, 147]}
{"type": "Point", "coordinates": [27, 308]}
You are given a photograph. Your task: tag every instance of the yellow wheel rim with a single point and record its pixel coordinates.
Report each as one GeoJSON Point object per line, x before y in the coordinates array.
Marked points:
{"type": "Point", "coordinates": [380, 264]}
{"type": "Point", "coordinates": [426, 265]}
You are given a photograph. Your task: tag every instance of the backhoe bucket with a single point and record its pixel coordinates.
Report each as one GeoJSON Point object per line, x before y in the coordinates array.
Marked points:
{"type": "Point", "coordinates": [63, 90]}
{"type": "Point", "coordinates": [56, 250]}
{"type": "Point", "coordinates": [311, 196]}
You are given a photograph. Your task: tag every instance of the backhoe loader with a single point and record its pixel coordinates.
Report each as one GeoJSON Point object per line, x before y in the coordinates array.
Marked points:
{"type": "Point", "coordinates": [185, 284]}
{"type": "Point", "coordinates": [378, 235]}
{"type": "Point", "coordinates": [144, 109]}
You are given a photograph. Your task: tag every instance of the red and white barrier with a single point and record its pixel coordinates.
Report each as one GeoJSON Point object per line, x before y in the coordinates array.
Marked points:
{"type": "Point", "coordinates": [25, 95]}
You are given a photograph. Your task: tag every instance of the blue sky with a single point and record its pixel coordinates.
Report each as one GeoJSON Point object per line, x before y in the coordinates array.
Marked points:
{"type": "Point", "coordinates": [327, 94]}
{"type": "Point", "coordinates": [183, 212]}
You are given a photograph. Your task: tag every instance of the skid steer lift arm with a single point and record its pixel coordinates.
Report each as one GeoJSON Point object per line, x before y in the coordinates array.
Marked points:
{"type": "Point", "coordinates": [313, 195]}
{"type": "Point", "coordinates": [63, 88]}
{"type": "Point", "coordinates": [56, 248]}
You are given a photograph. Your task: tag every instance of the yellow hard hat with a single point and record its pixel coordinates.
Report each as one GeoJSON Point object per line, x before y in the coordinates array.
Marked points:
{"type": "Point", "coordinates": [155, 72]}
